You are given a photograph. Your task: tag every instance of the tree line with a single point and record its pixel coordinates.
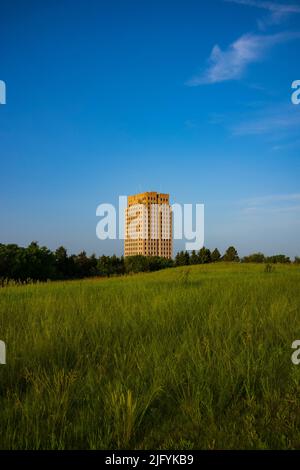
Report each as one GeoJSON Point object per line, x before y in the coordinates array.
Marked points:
{"type": "Point", "coordinates": [206, 256]}
{"type": "Point", "coordinates": [36, 263]}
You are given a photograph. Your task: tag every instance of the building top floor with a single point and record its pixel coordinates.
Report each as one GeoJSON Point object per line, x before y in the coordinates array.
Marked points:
{"type": "Point", "coordinates": [150, 197]}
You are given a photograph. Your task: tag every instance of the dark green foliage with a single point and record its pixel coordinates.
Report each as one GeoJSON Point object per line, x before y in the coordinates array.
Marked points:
{"type": "Point", "coordinates": [231, 254]}
{"type": "Point", "coordinates": [204, 256]}
{"type": "Point", "coordinates": [215, 256]}
{"type": "Point", "coordinates": [182, 258]}
{"type": "Point", "coordinates": [194, 259]}
{"type": "Point", "coordinates": [135, 264]}
{"type": "Point", "coordinates": [261, 258]}
{"type": "Point", "coordinates": [36, 263]}
{"type": "Point", "coordinates": [139, 263]}
{"type": "Point", "coordinates": [110, 265]}
{"type": "Point", "coordinates": [21, 264]}
{"type": "Point", "coordinates": [63, 263]}
{"type": "Point", "coordinates": [278, 259]}
{"type": "Point", "coordinates": [254, 258]}
{"type": "Point", "coordinates": [84, 266]}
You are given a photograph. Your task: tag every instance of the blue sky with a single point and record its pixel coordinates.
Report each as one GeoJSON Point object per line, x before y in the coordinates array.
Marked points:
{"type": "Point", "coordinates": [186, 97]}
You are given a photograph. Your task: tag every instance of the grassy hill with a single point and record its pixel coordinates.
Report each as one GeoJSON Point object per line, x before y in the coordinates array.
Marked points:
{"type": "Point", "coordinates": [196, 357]}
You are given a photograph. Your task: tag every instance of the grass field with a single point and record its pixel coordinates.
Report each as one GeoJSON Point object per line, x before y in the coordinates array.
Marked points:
{"type": "Point", "coordinates": [186, 358]}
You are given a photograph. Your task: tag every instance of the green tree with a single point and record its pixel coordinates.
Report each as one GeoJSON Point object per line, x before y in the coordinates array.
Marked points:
{"type": "Point", "coordinates": [118, 266]}
{"type": "Point", "coordinates": [186, 258]}
{"type": "Point", "coordinates": [182, 258]}
{"type": "Point", "coordinates": [39, 263]}
{"type": "Point", "coordinates": [278, 259]}
{"type": "Point", "coordinates": [216, 255]}
{"type": "Point", "coordinates": [231, 254]}
{"type": "Point", "coordinates": [62, 263]}
{"type": "Point", "coordinates": [194, 259]}
{"type": "Point", "coordinates": [204, 255]}
{"type": "Point", "coordinates": [254, 258]}
{"type": "Point", "coordinates": [105, 266]}
{"type": "Point", "coordinates": [136, 264]}
{"type": "Point", "coordinates": [85, 266]}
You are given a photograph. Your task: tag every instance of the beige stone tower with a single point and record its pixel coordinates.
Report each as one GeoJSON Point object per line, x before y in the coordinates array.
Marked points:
{"type": "Point", "coordinates": [148, 225]}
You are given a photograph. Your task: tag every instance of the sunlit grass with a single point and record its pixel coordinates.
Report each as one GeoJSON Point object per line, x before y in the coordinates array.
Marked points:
{"type": "Point", "coordinates": [193, 357]}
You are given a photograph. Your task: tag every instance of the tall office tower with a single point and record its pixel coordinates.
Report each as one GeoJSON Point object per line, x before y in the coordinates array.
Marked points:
{"type": "Point", "coordinates": [148, 225]}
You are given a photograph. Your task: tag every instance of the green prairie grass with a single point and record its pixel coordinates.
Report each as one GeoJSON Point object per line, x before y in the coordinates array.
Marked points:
{"type": "Point", "coordinates": [186, 358]}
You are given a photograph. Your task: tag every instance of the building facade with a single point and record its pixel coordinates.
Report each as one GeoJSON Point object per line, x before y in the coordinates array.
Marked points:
{"type": "Point", "coordinates": [148, 225]}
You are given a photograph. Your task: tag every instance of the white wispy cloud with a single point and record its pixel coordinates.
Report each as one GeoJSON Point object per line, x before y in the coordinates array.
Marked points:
{"type": "Point", "coordinates": [271, 204]}
{"type": "Point", "coordinates": [286, 145]}
{"type": "Point", "coordinates": [277, 120]}
{"type": "Point", "coordinates": [230, 64]}
{"type": "Point", "coordinates": [272, 198]}
{"type": "Point", "coordinates": [277, 11]}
